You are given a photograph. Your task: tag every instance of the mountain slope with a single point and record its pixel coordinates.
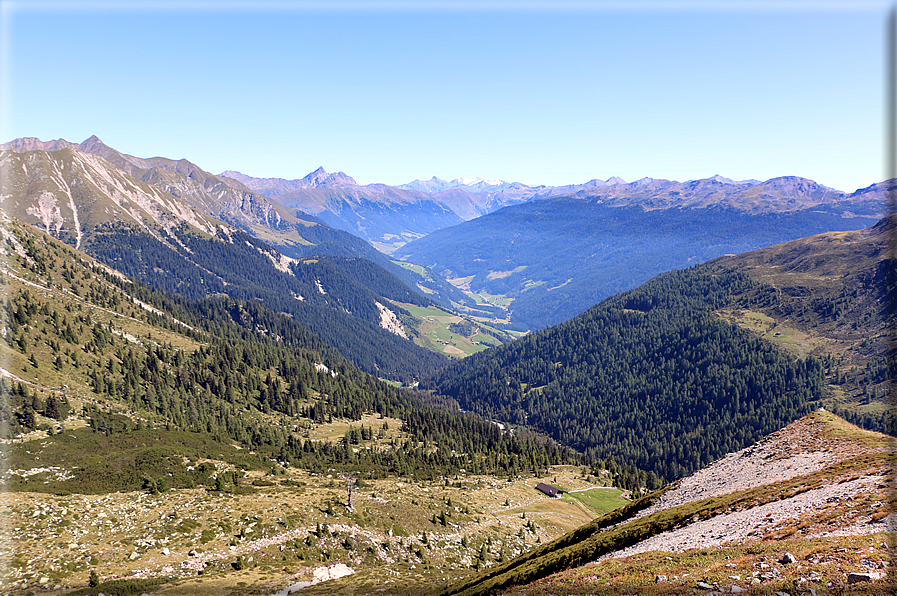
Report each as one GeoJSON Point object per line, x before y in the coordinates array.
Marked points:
{"type": "Point", "coordinates": [156, 237]}
{"type": "Point", "coordinates": [665, 362]}
{"type": "Point", "coordinates": [384, 215]}
{"type": "Point", "coordinates": [77, 331]}
{"type": "Point", "coordinates": [818, 469]}
{"type": "Point", "coordinates": [68, 193]}
{"type": "Point", "coordinates": [293, 232]}
{"type": "Point", "coordinates": [221, 198]}
{"type": "Point", "coordinates": [143, 426]}
{"type": "Point", "coordinates": [832, 297]}
{"type": "Point", "coordinates": [549, 259]}
{"type": "Point", "coordinates": [646, 377]}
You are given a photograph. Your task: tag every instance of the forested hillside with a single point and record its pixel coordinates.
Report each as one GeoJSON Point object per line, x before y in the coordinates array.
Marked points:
{"type": "Point", "coordinates": [146, 232]}
{"type": "Point", "coordinates": [81, 339]}
{"type": "Point", "coordinates": [548, 260]}
{"type": "Point", "coordinates": [651, 377]}
{"type": "Point", "coordinates": [834, 297]}
{"type": "Point", "coordinates": [323, 294]}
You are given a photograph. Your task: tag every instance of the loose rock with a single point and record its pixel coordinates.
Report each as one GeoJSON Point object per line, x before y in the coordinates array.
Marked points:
{"type": "Point", "coordinates": [864, 576]}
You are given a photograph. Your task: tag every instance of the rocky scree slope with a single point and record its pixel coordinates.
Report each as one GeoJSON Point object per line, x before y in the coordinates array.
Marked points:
{"type": "Point", "coordinates": [818, 478]}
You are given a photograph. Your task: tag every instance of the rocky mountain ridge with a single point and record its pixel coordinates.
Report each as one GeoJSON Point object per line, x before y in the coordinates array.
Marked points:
{"type": "Point", "coordinates": [801, 493]}
{"type": "Point", "coordinates": [146, 232]}
{"type": "Point", "coordinates": [391, 216]}
{"type": "Point", "coordinates": [293, 232]}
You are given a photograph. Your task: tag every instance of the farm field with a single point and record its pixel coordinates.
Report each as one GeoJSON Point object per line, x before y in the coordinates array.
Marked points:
{"type": "Point", "coordinates": [448, 333]}
{"type": "Point", "coordinates": [601, 500]}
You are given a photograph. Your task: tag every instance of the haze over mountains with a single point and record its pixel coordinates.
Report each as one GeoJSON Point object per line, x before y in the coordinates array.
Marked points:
{"type": "Point", "coordinates": [519, 257]}
{"type": "Point", "coordinates": [548, 259]}
{"type": "Point", "coordinates": [183, 338]}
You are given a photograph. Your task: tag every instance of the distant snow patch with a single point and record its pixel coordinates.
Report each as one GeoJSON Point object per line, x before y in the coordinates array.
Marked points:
{"type": "Point", "coordinates": [320, 287]}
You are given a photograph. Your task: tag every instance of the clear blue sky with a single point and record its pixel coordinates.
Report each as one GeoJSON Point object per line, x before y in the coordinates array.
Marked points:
{"type": "Point", "coordinates": [528, 92]}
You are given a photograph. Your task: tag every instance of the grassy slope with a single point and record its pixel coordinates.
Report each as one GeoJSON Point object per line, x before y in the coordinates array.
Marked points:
{"type": "Point", "coordinates": [832, 301]}
{"type": "Point", "coordinates": [612, 532]}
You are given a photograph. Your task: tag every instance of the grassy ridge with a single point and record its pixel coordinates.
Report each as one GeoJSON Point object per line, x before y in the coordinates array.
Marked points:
{"type": "Point", "coordinates": [599, 538]}
{"type": "Point", "coordinates": [590, 542]}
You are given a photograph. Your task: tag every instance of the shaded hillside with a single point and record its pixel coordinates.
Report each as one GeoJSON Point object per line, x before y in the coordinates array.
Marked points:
{"type": "Point", "coordinates": [650, 377]}
{"type": "Point", "coordinates": [158, 238]}
{"type": "Point", "coordinates": [324, 297]}
{"type": "Point", "coordinates": [549, 259]}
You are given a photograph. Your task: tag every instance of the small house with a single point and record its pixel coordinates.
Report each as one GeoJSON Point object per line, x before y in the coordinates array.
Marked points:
{"type": "Point", "coordinates": [551, 491]}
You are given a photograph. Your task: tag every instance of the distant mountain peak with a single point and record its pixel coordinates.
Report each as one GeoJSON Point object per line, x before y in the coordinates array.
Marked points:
{"type": "Point", "coordinates": [435, 184]}
{"type": "Point", "coordinates": [724, 180]}
{"type": "Point", "coordinates": [320, 177]}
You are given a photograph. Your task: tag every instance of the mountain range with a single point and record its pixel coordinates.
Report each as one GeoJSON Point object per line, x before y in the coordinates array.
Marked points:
{"type": "Point", "coordinates": [190, 401]}
{"type": "Point", "coordinates": [550, 258]}
{"type": "Point", "coordinates": [175, 244]}
{"type": "Point", "coordinates": [294, 233]}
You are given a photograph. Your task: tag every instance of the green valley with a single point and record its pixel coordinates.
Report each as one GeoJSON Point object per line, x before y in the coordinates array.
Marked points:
{"type": "Point", "coordinates": [447, 333]}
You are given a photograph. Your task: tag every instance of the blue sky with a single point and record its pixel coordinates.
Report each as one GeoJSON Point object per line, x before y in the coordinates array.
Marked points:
{"type": "Point", "coordinates": [521, 91]}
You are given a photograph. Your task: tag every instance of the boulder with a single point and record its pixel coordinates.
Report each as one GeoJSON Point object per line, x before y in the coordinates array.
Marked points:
{"type": "Point", "coordinates": [863, 576]}
{"type": "Point", "coordinates": [787, 559]}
